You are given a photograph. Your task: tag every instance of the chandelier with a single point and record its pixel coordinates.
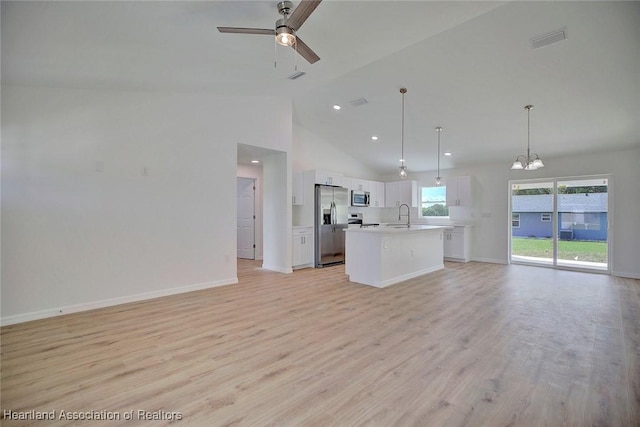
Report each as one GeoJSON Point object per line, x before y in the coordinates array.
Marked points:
{"type": "Point", "coordinates": [530, 162]}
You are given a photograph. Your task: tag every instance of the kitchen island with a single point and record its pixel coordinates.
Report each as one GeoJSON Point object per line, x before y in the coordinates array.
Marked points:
{"type": "Point", "coordinates": [382, 256]}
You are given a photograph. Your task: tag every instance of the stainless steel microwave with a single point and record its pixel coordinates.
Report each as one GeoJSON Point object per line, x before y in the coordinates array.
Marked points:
{"type": "Point", "coordinates": [360, 198]}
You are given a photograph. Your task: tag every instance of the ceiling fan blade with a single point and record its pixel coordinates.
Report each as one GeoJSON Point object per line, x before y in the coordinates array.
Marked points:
{"type": "Point", "coordinates": [301, 13]}
{"type": "Point", "coordinates": [237, 30]}
{"type": "Point", "coordinates": [305, 51]}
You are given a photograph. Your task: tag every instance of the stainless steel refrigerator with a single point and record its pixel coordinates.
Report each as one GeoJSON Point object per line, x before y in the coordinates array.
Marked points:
{"type": "Point", "coordinates": [330, 221]}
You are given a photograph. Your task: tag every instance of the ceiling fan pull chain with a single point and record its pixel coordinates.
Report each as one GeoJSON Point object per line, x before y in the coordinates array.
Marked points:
{"type": "Point", "coordinates": [275, 50]}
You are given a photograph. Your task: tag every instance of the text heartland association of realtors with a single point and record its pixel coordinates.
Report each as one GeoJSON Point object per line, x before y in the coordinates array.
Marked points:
{"type": "Point", "coordinates": [138, 415]}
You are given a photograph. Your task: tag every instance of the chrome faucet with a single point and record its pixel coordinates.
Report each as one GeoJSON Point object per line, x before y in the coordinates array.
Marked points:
{"type": "Point", "coordinates": [408, 214]}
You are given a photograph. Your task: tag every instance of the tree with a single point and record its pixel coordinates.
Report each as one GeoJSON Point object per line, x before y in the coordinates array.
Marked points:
{"type": "Point", "coordinates": [435, 210]}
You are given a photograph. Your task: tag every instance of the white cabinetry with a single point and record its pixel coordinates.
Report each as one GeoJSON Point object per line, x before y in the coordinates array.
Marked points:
{"type": "Point", "coordinates": [376, 190]}
{"type": "Point", "coordinates": [347, 183]}
{"type": "Point", "coordinates": [459, 191]}
{"type": "Point", "coordinates": [298, 188]}
{"type": "Point", "coordinates": [457, 244]}
{"type": "Point", "coordinates": [399, 192]}
{"type": "Point", "coordinates": [302, 247]}
{"type": "Point", "coordinates": [360, 185]}
{"type": "Point", "coordinates": [328, 178]}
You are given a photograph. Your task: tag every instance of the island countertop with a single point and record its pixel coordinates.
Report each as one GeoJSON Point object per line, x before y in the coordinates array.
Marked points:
{"type": "Point", "coordinates": [397, 228]}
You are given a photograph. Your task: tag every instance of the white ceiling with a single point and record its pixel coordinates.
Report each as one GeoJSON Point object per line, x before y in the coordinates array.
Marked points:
{"type": "Point", "coordinates": [468, 67]}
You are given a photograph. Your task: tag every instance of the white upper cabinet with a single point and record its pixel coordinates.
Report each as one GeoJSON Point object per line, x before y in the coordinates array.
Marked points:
{"type": "Point", "coordinates": [328, 178]}
{"type": "Point", "coordinates": [298, 189]}
{"type": "Point", "coordinates": [399, 192]}
{"type": "Point", "coordinates": [376, 190]}
{"type": "Point", "coordinates": [459, 191]}
{"type": "Point", "coordinates": [347, 183]}
{"type": "Point", "coordinates": [360, 185]}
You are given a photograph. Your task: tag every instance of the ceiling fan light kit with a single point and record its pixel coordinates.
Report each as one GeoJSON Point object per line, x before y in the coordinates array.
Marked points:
{"type": "Point", "coordinates": [284, 34]}
{"type": "Point", "coordinates": [286, 27]}
{"type": "Point", "coordinates": [528, 162]}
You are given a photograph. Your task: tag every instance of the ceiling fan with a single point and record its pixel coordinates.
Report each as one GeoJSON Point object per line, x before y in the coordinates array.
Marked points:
{"type": "Point", "coordinates": [286, 27]}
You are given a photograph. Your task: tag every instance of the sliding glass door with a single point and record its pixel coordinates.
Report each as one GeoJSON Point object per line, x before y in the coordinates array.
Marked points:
{"type": "Point", "coordinates": [532, 206]}
{"type": "Point", "coordinates": [583, 217]}
{"type": "Point", "coordinates": [563, 222]}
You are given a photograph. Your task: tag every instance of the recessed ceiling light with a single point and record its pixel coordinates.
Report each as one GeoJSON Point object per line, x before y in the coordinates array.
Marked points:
{"type": "Point", "coordinates": [336, 107]}
{"type": "Point", "coordinates": [375, 138]}
{"type": "Point", "coordinates": [447, 153]}
{"type": "Point", "coordinates": [255, 161]}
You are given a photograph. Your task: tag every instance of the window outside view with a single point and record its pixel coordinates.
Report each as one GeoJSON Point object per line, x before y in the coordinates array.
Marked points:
{"type": "Point", "coordinates": [433, 202]}
{"type": "Point", "coordinates": [581, 223]}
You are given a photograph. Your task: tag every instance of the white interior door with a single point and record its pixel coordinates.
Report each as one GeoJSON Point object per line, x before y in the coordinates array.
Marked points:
{"type": "Point", "coordinates": [245, 200]}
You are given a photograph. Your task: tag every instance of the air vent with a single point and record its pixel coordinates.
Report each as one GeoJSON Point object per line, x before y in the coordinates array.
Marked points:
{"type": "Point", "coordinates": [296, 75]}
{"type": "Point", "coordinates": [549, 38]}
{"type": "Point", "coordinates": [358, 102]}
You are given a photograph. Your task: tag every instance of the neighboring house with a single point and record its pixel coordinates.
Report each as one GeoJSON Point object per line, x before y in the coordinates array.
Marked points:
{"type": "Point", "coordinates": [580, 216]}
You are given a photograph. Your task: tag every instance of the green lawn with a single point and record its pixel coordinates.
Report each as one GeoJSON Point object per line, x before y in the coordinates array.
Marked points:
{"type": "Point", "coordinates": [567, 249]}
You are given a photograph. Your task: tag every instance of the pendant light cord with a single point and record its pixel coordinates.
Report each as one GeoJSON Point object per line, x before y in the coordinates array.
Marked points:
{"type": "Point", "coordinates": [439, 130]}
{"type": "Point", "coordinates": [528, 107]}
{"type": "Point", "coordinates": [402, 130]}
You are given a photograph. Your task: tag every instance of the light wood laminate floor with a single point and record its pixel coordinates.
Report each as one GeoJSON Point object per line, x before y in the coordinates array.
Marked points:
{"type": "Point", "coordinates": [471, 345]}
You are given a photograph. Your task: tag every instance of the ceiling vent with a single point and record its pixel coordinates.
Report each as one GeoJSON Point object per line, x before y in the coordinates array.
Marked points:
{"type": "Point", "coordinates": [549, 38]}
{"type": "Point", "coordinates": [296, 75]}
{"type": "Point", "coordinates": [358, 102]}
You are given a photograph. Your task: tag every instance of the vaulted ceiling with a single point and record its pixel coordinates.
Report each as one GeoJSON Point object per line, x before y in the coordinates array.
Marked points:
{"type": "Point", "coordinates": [469, 67]}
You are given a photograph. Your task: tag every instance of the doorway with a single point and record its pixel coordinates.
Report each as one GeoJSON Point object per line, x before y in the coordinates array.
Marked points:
{"type": "Point", "coordinates": [245, 201]}
{"type": "Point", "coordinates": [561, 223]}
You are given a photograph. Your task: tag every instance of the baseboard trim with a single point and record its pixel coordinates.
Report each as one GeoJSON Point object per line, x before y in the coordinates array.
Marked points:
{"type": "Point", "coordinates": [277, 269]}
{"type": "Point", "coordinates": [625, 274]}
{"type": "Point", "coordinates": [398, 279]}
{"type": "Point", "coordinates": [75, 308]}
{"type": "Point", "coordinates": [490, 260]}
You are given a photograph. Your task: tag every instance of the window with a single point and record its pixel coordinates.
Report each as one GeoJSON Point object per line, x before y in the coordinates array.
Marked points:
{"type": "Point", "coordinates": [580, 221]}
{"type": "Point", "coordinates": [433, 202]}
{"type": "Point", "coordinates": [545, 217]}
{"type": "Point", "coordinates": [515, 220]}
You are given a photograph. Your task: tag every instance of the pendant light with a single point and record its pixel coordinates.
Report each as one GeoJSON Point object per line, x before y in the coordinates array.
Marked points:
{"type": "Point", "coordinates": [403, 168]}
{"type": "Point", "coordinates": [530, 162]}
{"type": "Point", "coordinates": [438, 178]}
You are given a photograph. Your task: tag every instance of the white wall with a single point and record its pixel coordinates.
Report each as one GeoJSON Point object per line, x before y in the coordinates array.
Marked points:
{"type": "Point", "coordinates": [490, 234]}
{"type": "Point", "coordinates": [310, 151]}
{"type": "Point", "coordinates": [83, 225]}
{"type": "Point", "coordinates": [277, 212]}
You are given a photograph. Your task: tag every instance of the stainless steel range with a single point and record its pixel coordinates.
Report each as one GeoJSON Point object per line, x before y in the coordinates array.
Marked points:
{"type": "Point", "coordinates": [356, 219]}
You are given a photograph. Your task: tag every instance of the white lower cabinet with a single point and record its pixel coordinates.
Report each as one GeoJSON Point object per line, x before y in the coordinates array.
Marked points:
{"type": "Point", "coordinates": [302, 247]}
{"type": "Point", "coordinates": [457, 244]}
